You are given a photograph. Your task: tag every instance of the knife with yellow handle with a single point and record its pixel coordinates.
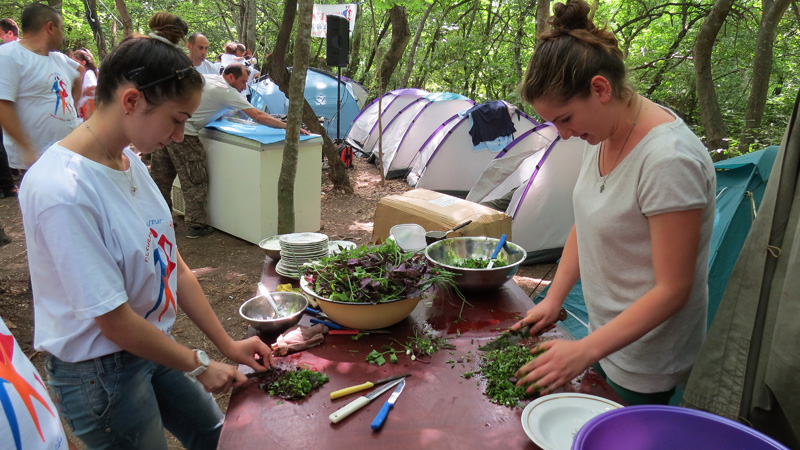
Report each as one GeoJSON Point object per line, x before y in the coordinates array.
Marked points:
{"type": "Point", "coordinates": [367, 385]}
{"type": "Point", "coordinates": [360, 402]}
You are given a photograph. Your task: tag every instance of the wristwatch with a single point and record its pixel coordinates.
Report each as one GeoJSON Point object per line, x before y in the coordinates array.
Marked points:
{"type": "Point", "coordinates": [202, 360]}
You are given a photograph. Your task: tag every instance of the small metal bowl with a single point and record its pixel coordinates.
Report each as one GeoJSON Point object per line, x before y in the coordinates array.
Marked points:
{"type": "Point", "coordinates": [447, 252]}
{"type": "Point", "coordinates": [258, 312]}
{"type": "Point", "coordinates": [272, 246]}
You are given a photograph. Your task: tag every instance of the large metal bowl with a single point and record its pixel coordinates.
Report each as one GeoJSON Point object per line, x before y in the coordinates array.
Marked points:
{"type": "Point", "coordinates": [363, 316]}
{"type": "Point", "coordinates": [259, 314]}
{"type": "Point", "coordinates": [448, 252]}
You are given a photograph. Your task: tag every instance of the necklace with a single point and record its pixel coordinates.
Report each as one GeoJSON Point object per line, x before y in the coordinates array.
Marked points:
{"type": "Point", "coordinates": [635, 121]}
{"type": "Point", "coordinates": [128, 173]}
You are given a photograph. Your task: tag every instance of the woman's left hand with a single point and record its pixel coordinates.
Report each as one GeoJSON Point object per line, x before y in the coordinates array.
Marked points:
{"type": "Point", "coordinates": [244, 351]}
{"type": "Point", "coordinates": [560, 362]}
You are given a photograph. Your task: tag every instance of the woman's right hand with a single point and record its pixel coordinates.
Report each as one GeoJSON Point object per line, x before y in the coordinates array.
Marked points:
{"type": "Point", "coordinates": [219, 378]}
{"type": "Point", "coordinates": [540, 318]}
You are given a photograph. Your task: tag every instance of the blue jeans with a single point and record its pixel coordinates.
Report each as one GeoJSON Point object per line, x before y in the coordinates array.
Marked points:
{"type": "Point", "coordinates": [122, 401]}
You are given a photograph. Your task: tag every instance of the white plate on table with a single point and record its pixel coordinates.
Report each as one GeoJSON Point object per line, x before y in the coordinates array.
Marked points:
{"type": "Point", "coordinates": [553, 421]}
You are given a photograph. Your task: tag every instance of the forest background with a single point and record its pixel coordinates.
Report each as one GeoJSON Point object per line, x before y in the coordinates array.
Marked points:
{"type": "Point", "coordinates": [728, 67]}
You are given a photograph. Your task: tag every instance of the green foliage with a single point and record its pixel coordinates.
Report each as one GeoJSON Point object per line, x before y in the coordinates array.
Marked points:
{"type": "Point", "coordinates": [470, 48]}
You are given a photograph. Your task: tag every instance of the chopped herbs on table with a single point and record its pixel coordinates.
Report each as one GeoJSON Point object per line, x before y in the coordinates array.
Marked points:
{"type": "Point", "coordinates": [292, 384]}
{"type": "Point", "coordinates": [498, 368]}
{"type": "Point", "coordinates": [375, 275]}
{"type": "Point", "coordinates": [414, 347]}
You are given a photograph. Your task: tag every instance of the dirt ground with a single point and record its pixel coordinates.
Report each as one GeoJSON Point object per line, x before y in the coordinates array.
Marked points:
{"type": "Point", "coordinates": [228, 268]}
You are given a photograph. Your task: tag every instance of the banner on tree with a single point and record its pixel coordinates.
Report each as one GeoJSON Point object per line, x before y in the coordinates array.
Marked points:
{"type": "Point", "coordinates": [319, 23]}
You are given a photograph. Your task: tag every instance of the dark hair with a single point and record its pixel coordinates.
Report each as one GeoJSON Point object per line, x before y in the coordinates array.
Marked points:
{"type": "Point", "coordinates": [161, 71]}
{"type": "Point", "coordinates": [240, 48]}
{"type": "Point", "coordinates": [230, 48]}
{"type": "Point", "coordinates": [8, 24]}
{"type": "Point", "coordinates": [36, 15]}
{"type": "Point", "coordinates": [237, 69]}
{"type": "Point", "coordinates": [169, 26]}
{"type": "Point", "coordinates": [569, 54]}
{"type": "Point", "coordinates": [85, 56]}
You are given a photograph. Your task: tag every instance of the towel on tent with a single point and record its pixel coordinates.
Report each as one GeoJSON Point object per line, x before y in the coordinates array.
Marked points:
{"type": "Point", "coordinates": [490, 121]}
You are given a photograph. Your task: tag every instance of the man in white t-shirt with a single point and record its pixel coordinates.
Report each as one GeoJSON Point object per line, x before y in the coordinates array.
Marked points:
{"type": "Point", "coordinates": [187, 159]}
{"type": "Point", "coordinates": [38, 87]}
{"type": "Point", "coordinates": [198, 49]}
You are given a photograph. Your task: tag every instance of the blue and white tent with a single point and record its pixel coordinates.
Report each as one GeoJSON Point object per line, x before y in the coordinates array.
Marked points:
{"type": "Point", "coordinates": [321, 94]}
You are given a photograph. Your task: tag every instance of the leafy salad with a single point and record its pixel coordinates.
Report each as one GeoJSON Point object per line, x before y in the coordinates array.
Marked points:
{"type": "Point", "coordinates": [375, 275]}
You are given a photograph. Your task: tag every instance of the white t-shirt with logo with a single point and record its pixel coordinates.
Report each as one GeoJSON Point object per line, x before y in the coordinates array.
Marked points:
{"type": "Point", "coordinates": [28, 418]}
{"type": "Point", "coordinates": [93, 246]}
{"type": "Point", "coordinates": [41, 89]}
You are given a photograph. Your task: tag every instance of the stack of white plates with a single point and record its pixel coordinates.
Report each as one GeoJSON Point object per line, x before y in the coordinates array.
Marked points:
{"type": "Point", "coordinates": [298, 249]}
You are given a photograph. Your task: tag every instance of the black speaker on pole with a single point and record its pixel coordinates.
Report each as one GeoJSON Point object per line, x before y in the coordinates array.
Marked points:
{"type": "Point", "coordinates": [338, 41]}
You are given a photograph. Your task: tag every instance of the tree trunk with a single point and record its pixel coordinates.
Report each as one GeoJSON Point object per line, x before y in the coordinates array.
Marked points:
{"type": "Point", "coordinates": [288, 175]}
{"type": "Point", "coordinates": [248, 29]}
{"type": "Point", "coordinates": [223, 16]}
{"type": "Point", "coordinates": [522, 19]}
{"type": "Point", "coordinates": [280, 75]}
{"type": "Point", "coordinates": [90, 8]}
{"type": "Point", "coordinates": [715, 130]}
{"type": "Point", "coordinates": [125, 17]}
{"type": "Point", "coordinates": [772, 10]}
{"type": "Point", "coordinates": [542, 14]}
{"type": "Point", "coordinates": [377, 44]}
{"type": "Point", "coordinates": [355, 47]}
{"type": "Point", "coordinates": [401, 34]}
{"type": "Point", "coordinates": [415, 44]}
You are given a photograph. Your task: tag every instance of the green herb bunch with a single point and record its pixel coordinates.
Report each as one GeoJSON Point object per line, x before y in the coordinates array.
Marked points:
{"type": "Point", "coordinates": [498, 368]}
{"type": "Point", "coordinates": [375, 275]}
{"type": "Point", "coordinates": [414, 347]}
{"type": "Point", "coordinates": [293, 385]}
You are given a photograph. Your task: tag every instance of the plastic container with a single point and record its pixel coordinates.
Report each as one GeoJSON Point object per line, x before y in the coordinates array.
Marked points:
{"type": "Point", "coordinates": [409, 236]}
{"type": "Point", "coordinates": [656, 427]}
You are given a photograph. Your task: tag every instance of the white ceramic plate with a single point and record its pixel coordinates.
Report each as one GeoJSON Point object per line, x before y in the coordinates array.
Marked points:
{"type": "Point", "coordinates": [337, 246]}
{"type": "Point", "coordinates": [552, 421]}
{"type": "Point", "coordinates": [304, 239]}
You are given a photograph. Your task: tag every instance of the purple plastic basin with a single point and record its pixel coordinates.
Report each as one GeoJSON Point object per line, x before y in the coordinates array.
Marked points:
{"type": "Point", "coordinates": [652, 427]}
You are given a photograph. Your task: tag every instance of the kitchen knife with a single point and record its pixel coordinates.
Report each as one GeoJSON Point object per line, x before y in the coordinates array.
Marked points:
{"type": "Point", "coordinates": [367, 385]}
{"type": "Point", "coordinates": [377, 423]}
{"type": "Point", "coordinates": [513, 337]}
{"type": "Point", "coordinates": [358, 403]}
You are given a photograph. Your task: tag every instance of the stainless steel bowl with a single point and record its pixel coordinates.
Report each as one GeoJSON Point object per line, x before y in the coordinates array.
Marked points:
{"type": "Point", "coordinates": [259, 314]}
{"type": "Point", "coordinates": [448, 252]}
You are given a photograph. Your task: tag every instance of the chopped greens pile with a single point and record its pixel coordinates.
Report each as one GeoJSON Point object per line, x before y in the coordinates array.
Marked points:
{"type": "Point", "coordinates": [293, 384]}
{"type": "Point", "coordinates": [479, 263]}
{"type": "Point", "coordinates": [498, 368]}
{"type": "Point", "coordinates": [415, 347]}
{"type": "Point", "coordinates": [375, 275]}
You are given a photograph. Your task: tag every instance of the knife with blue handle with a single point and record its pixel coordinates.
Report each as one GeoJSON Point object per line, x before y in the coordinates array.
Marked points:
{"type": "Point", "coordinates": [360, 402]}
{"type": "Point", "coordinates": [377, 423]}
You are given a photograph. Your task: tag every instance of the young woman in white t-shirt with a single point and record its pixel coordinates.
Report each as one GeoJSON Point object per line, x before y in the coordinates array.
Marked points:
{"type": "Point", "coordinates": [106, 274]}
{"type": "Point", "coordinates": [644, 211]}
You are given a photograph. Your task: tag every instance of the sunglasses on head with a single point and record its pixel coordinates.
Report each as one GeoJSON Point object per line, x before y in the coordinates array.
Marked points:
{"type": "Point", "coordinates": [136, 73]}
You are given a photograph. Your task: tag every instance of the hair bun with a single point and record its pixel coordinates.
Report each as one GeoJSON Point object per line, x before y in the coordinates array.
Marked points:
{"type": "Point", "coordinates": [572, 15]}
{"type": "Point", "coordinates": [168, 26]}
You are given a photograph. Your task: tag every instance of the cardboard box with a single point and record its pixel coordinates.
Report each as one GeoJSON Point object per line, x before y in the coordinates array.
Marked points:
{"type": "Point", "coordinates": [438, 212]}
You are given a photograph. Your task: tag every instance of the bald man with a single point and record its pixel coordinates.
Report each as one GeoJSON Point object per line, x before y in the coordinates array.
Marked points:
{"type": "Point", "coordinates": [198, 49]}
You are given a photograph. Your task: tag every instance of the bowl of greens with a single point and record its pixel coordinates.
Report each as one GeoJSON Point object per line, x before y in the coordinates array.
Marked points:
{"type": "Point", "coordinates": [468, 257]}
{"type": "Point", "coordinates": [260, 315]}
{"type": "Point", "coordinates": [370, 287]}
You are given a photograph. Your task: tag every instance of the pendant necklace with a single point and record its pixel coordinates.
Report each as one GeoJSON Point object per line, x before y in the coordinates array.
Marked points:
{"type": "Point", "coordinates": [128, 173]}
{"type": "Point", "coordinates": [635, 121]}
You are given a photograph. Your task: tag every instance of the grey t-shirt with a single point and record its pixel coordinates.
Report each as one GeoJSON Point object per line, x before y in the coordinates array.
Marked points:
{"type": "Point", "coordinates": [668, 171]}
